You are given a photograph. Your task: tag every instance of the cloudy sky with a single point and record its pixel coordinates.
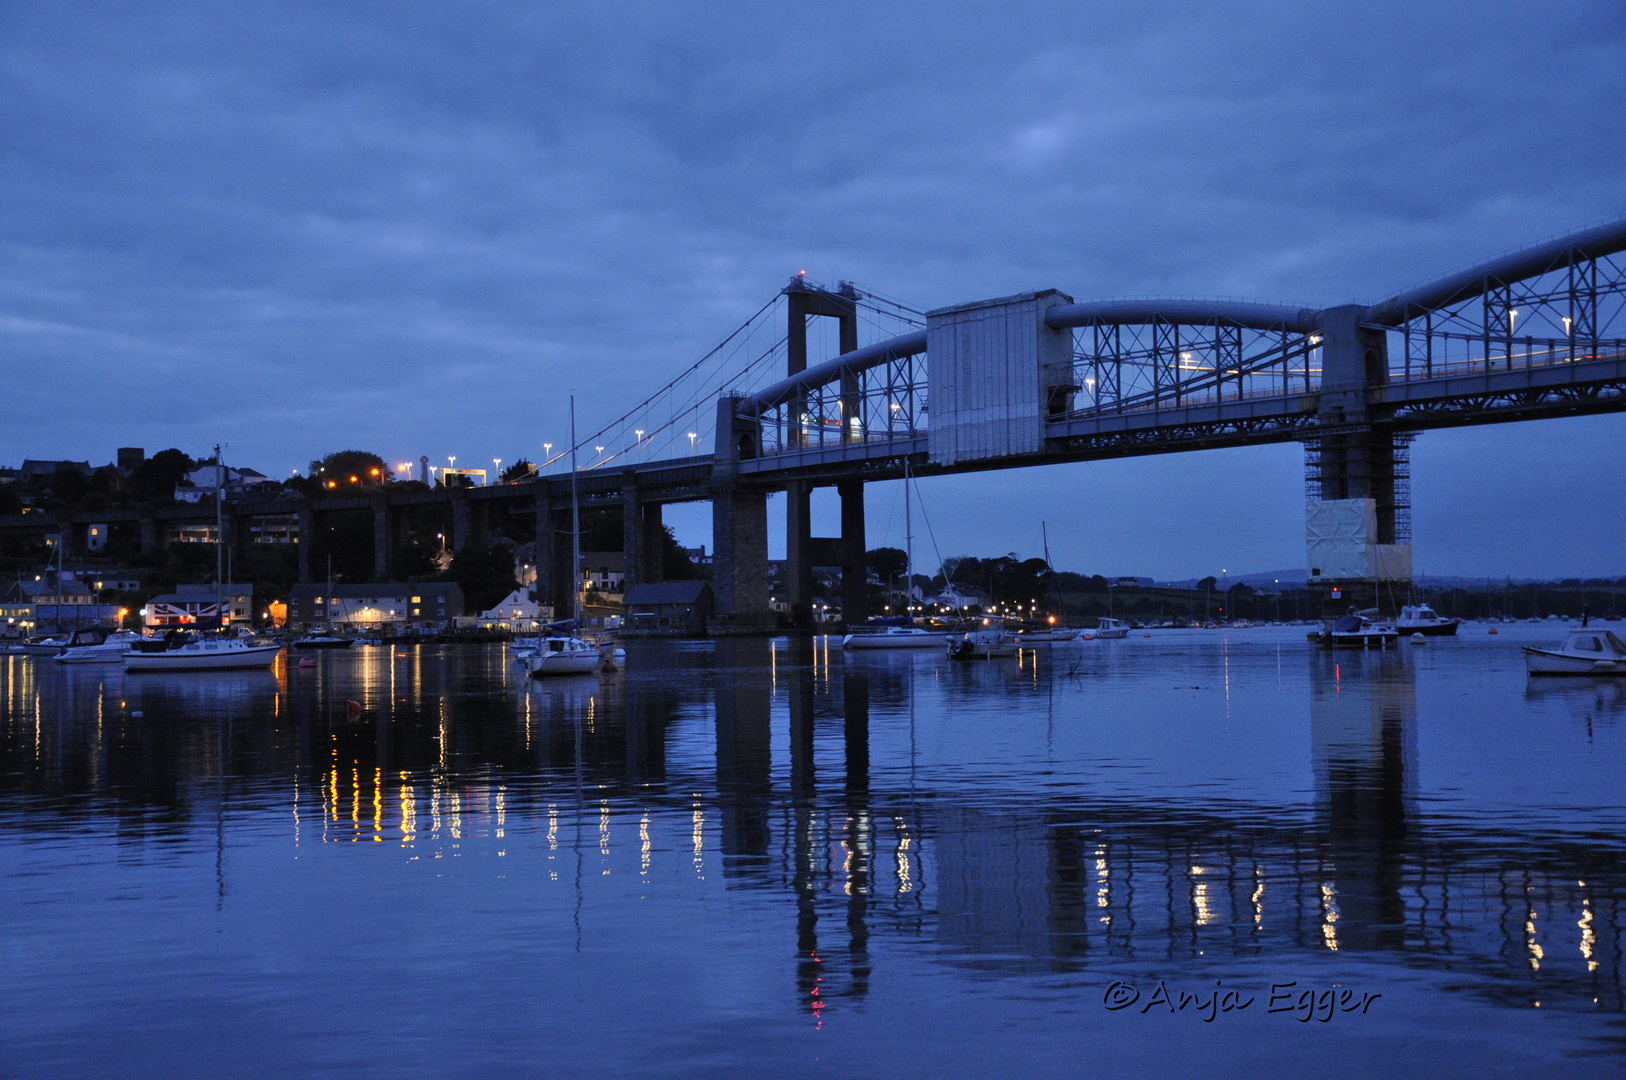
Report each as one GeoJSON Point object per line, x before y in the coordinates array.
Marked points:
{"type": "Point", "coordinates": [414, 228]}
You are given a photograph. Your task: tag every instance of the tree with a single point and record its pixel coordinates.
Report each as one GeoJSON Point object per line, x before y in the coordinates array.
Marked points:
{"type": "Point", "coordinates": [484, 576]}
{"type": "Point", "coordinates": [519, 470]}
{"type": "Point", "coordinates": [156, 478]}
{"type": "Point", "coordinates": [887, 563]}
{"type": "Point", "coordinates": [350, 469]}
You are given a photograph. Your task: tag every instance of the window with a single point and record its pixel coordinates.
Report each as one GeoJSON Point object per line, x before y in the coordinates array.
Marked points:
{"type": "Point", "coordinates": [318, 600]}
{"type": "Point", "coordinates": [1590, 644]}
{"type": "Point", "coordinates": [417, 600]}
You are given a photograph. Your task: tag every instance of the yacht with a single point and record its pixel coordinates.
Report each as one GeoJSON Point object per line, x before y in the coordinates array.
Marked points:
{"type": "Point", "coordinates": [1422, 619]}
{"type": "Point", "coordinates": [1586, 651]}
{"type": "Point", "coordinates": [560, 655]}
{"type": "Point", "coordinates": [1109, 628]}
{"type": "Point", "coordinates": [94, 645]}
{"type": "Point", "coordinates": [894, 634]}
{"type": "Point", "coordinates": [192, 652]}
{"type": "Point", "coordinates": [1354, 632]}
{"type": "Point", "coordinates": [1038, 633]}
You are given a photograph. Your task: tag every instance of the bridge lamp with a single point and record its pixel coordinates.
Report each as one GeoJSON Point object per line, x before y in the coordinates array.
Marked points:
{"type": "Point", "coordinates": [598, 450]}
{"type": "Point", "coordinates": [406, 468]}
{"type": "Point", "coordinates": [497, 473]}
{"type": "Point", "coordinates": [1512, 314]}
{"type": "Point", "coordinates": [692, 437]}
{"type": "Point", "coordinates": [1567, 332]}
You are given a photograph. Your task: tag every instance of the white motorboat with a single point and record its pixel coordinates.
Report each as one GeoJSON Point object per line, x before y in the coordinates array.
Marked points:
{"type": "Point", "coordinates": [986, 644]}
{"type": "Point", "coordinates": [44, 644]}
{"type": "Point", "coordinates": [95, 646]}
{"type": "Point", "coordinates": [559, 655]}
{"type": "Point", "coordinates": [189, 652]}
{"type": "Point", "coordinates": [895, 637]}
{"type": "Point", "coordinates": [1354, 632]}
{"type": "Point", "coordinates": [1109, 628]}
{"type": "Point", "coordinates": [1586, 651]}
{"type": "Point", "coordinates": [1422, 619]}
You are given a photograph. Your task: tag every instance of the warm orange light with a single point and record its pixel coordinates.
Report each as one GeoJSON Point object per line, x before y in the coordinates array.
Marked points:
{"type": "Point", "coordinates": [352, 479]}
{"type": "Point", "coordinates": [1052, 620]}
{"type": "Point", "coordinates": [330, 483]}
{"type": "Point", "coordinates": [375, 472]}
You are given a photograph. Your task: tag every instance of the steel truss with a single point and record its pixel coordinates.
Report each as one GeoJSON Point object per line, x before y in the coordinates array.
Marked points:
{"type": "Point", "coordinates": [1573, 308]}
{"type": "Point", "coordinates": [1122, 368]}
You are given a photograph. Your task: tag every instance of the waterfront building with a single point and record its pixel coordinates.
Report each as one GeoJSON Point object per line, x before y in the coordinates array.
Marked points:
{"type": "Point", "coordinates": [200, 605]}
{"type": "Point", "coordinates": [423, 605]}
{"type": "Point", "coordinates": [604, 572]}
{"type": "Point", "coordinates": [669, 608]}
{"type": "Point", "coordinates": [517, 612]}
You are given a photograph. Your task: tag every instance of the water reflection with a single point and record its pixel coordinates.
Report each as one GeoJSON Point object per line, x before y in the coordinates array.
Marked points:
{"type": "Point", "coordinates": [835, 791]}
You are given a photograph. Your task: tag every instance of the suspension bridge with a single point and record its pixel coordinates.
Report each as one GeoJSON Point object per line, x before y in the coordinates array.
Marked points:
{"type": "Point", "coordinates": [783, 405]}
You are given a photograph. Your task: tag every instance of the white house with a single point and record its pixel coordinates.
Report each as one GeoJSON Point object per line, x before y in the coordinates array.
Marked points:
{"type": "Point", "coordinates": [205, 478]}
{"type": "Point", "coordinates": [517, 612]}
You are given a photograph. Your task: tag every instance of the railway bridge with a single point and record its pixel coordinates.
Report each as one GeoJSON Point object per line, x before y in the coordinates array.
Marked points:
{"type": "Point", "coordinates": [1038, 378]}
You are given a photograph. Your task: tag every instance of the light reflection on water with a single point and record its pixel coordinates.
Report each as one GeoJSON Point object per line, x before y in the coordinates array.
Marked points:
{"type": "Point", "coordinates": [744, 854]}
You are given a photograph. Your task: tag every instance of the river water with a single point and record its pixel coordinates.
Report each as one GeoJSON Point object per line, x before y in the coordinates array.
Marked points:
{"type": "Point", "coordinates": [1217, 853]}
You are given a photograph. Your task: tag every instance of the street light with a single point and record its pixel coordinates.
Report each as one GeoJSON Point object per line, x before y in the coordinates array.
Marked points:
{"type": "Point", "coordinates": [692, 437]}
{"type": "Point", "coordinates": [496, 472]}
{"type": "Point", "coordinates": [406, 468]}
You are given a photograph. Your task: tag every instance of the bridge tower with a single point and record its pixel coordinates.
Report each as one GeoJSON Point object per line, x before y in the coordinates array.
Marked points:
{"type": "Point", "coordinates": [1357, 511]}
{"type": "Point", "coordinates": [803, 551]}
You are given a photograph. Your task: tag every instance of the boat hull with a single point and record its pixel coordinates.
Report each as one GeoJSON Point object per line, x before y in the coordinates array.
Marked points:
{"type": "Point", "coordinates": [1369, 640]}
{"type": "Point", "coordinates": [110, 653]}
{"type": "Point", "coordinates": [1445, 629]}
{"type": "Point", "coordinates": [1546, 662]}
{"type": "Point", "coordinates": [323, 643]}
{"type": "Point", "coordinates": [542, 665]}
{"type": "Point", "coordinates": [195, 658]}
{"type": "Point", "coordinates": [894, 641]}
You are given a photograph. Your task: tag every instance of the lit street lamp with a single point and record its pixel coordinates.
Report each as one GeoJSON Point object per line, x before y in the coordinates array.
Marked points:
{"type": "Point", "coordinates": [496, 472]}
{"type": "Point", "coordinates": [692, 437]}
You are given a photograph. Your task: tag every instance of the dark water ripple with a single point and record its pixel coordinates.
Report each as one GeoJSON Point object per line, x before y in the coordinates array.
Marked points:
{"type": "Point", "coordinates": [745, 857]}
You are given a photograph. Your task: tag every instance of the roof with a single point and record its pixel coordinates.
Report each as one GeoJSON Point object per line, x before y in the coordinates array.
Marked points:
{"type": "Point", "coordinates": [380, 588]}
{"type": "Point", "coordinates": [32, 467]}
{"type": "Point", "coordinates": [227, 589]}
{"type": "Point", "coordinates": [182, 599]}
{"type": "Point", "coordinates": [668, 592]}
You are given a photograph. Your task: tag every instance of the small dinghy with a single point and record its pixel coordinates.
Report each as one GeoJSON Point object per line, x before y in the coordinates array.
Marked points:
{"type": "Point", "coordinates": [1586, 651]}
{"type": "Point", "coordinates": [982, 645]}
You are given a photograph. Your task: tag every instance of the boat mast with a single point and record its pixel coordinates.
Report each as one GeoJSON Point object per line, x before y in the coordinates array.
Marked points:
{"type": "Point", "coordinates": [220, 536]}
{"type": "Point", "coordinates": [575, 527]}
{"type": "Point", "coordinates": [908, 546]}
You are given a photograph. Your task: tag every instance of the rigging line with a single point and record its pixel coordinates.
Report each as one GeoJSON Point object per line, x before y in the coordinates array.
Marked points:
{"type": "Point", "coordinates": [930, 532]}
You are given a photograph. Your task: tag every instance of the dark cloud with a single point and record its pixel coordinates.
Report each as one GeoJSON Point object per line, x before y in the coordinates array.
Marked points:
{"type": "Point", "coordinates": [301, 227]}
